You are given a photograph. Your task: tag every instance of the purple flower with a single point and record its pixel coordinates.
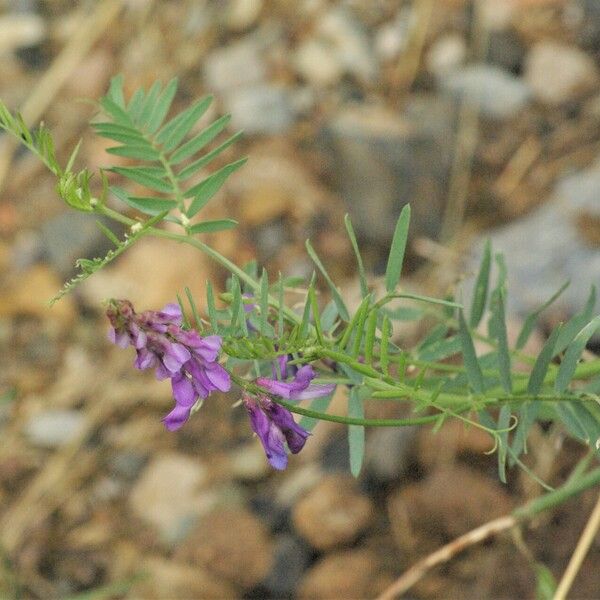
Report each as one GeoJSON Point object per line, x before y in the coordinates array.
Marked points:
{"type": "Point", "coordinates": [299, 388]}
{"type": "Point", "coordinates": [275, 427]}
{"type": "Point", "coordinates": [185, 357]}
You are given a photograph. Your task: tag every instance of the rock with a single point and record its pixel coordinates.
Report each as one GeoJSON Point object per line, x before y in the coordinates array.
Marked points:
{"type": "Point", "coordinates": [391, 37]}
{"type": "Point", "coordinates": [168, 579]}
{"type": "Point", "coordinates": [317, 64]}
{"type": "Point", "coordinates": [54, 428]}
{"type": "Point", "coordinates": [260, 109]}
{"type": "Point", "coordinates": [388, 452]}
{"type": "Point", "coordinates": [127, 464]}
{"type": "Point", "coordinates": [297, 483]}
{"type": "Point", "coordinates": [232, 544]}
{"type": "Point", "coordinates": [448, 503]}
{"type": "Point", "coordinates": [72, 235]}
{"type": "Point", "coordinates": [291, 558]}
{"type": "Point", "coordinates": [237, 65]}
{"type": "Point", "coordinates": [150, 260]}
{"type": "Point", "coordinates": [392, 159]}
{"type": "Point", "coordinates": [538, 268]}
{"type": "Point", "coordinates": [248, 463]}
{"type": "Point", "coordinates": [339, 30]}
{"type": "Point", "coordinates": [348, 574]}
{"type": "Point", "coordinates": [21, 30]}
{"type": "Point", "coordinates": [27, 248]}
{"type": "Point", "coordinates": [497, 93]}
{"type": "Point", "coordinates": [454, 439]}
{"type": "Point", "coordinates": [168, 495]}
{"type": "Point", "coordinates": [334, 512]}
{"type": "Point", "coordinates": [506, 50]}
{"type": "Point", "coordinates": [446, 54]}
{"type": "Point", "coordinates": [242, 14]}
{"type": "Point", "coordinates": [558, 73]}
{"type": "Point", "coordinates": [28, 292]}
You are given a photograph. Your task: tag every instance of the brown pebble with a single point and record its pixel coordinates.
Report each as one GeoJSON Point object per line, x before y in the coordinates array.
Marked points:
{"type": "Point", "coordinates": [233, 544]}
{"type": "Point", "coordinates": [448, 503]}
{"type": "Point", "coordinates": [334, 512]}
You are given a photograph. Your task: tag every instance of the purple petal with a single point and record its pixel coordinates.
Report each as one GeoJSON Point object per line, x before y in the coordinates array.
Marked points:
{"type": "Point", "coordinates": [162, 372]}
{"type": "Point", "coordinates": [189, 338]}
{"type": "Point", "coordinates": [304, 376]}
{"type": "Point", "coordinates": [294, 434]}
{"type": "Point", "coordinates": [209, 348]}
{"type": "Point", "coordinates": [269, 434]}
{"type": "Point", "coordinates": [314, 391]}
{"type": "Point", "coordinates": [218, 376]}
{"type": "Point", "coordinates": [120, 339]}
{"type": "Point", "coordinates": [183, 390]}
{"type": "Point", "coordinates": [177, 417]}
{"type": "Point", "coordinates": [171, 312]}
{"type": "Point", "coordinates": [175, 356]}
{"type": "Point", "coordinates": [145, 359]}
{"type": "Point", "coordinates": [139, 336]}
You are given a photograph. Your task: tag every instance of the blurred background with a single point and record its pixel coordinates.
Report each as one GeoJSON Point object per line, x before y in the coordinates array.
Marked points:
{"type": "Point", "coordinates": [485, 116]}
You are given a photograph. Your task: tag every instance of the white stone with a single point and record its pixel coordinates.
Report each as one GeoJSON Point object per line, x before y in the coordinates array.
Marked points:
{"type": "Point", "coordinates": [20, 30]}
{"type": "Point", "coordinates": [260, 109]}
{"type": "Point", "coordinates": [446, 54]}
{"type": "Point", "coordinates": [168, 495]}
{"type": "Point", "coordinates": [53, 428]}
{"type": "Point", "coordinates": [239, 64]}
{"type": "Point", "coordinates": [557, 73]}
{"type": "Point", "coordinates": [497, 93]}
{"type": "Point", "coordinates": [242, 14]}
{"type": "Point", "coordinates": [350, 42]}
{"type": "Point", "coordinates": [317, 63]}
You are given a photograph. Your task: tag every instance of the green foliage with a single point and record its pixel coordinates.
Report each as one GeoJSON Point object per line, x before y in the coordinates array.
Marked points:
{"type": "Point", "coordinates": [167, 154]}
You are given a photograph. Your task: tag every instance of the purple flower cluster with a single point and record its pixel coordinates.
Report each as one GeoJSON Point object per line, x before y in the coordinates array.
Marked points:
{"type": "Point", "coordinates": [274, 424]}
{"type": "Point", "coordinates": [188, 359]}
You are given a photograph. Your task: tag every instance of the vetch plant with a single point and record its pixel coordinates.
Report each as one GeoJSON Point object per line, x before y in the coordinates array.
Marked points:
{"type": "Point", "coordinates": [285, 363]}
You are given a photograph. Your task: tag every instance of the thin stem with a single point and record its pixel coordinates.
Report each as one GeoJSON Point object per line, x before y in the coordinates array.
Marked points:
{"type": "Point", "coordinates": [521, 514]}
{"type": "Point", "coordinates": [583, 545]}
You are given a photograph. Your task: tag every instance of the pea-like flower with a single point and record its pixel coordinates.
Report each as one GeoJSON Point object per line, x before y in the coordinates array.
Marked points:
{"type": "Point", "coordinates": [275, 427]}
{"type": "Point", "coordinates": [274, 424]}
{"type": "Point", "coordinates": [185, 357]}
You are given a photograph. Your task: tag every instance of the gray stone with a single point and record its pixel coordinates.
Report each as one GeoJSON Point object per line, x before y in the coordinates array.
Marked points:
{"type": "Point", "coordinates": [291, 557]}
{"type": "Point", "coordinates": [498, 94]}
{"type": "Point", "coordinates": [383, 159]}
{"type": "Point", "coordinates": [349, 41]}
{"type": "Point", "coordinates": [558, 73]}
{"type": "Point", "coordinates": [260, 109]}
{"type": "Point", "coordinates": [54, 428]}
{"type": "Point", "coordinates": [237, 65]}
{"type": "Point", "coordinates": [548, 248]}
{"type": "Point", "coordinates": [388, 452]}
{"type": "Point", "coordinates": [70, 236]}
{"type": "Point", "coordinates": [506, 50]}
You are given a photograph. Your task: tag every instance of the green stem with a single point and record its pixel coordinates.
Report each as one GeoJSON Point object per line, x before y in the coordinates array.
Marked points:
{"type": "Point", "coordinates": [558, 496]}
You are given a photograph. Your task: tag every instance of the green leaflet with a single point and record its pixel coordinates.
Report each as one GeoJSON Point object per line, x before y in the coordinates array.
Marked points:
{"type": "Point", "coordinates": [531, 320]}
{"type": "Point", "coordinates": [199, 141]}
{"type": "Point", "coordinates": [207, 188]}
{"type": "Point", "coordinates": [179, 126]}
{"type": "Point", "coordinates": [356, 433]}
{"type": "Point", "coordinates": [480, 291]}
{"type": "Point", "coordinates": [540, 368]}
{"type": "Point", "coordinates": [573, 354]}
{"type": "Point", "coordinates": [213, 226]}
{"type": "Point", "coordinates": [364, 288]}
{"type": "Point", "coordinates": [396, 255]}
{"type": "Point", "coordinates": [337, 298]}
{"type": "Point", "coordinates": [474, 374]}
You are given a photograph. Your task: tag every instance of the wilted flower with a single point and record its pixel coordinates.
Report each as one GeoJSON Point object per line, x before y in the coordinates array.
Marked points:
{"type": "Point", "coordinates": [188, 359]}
